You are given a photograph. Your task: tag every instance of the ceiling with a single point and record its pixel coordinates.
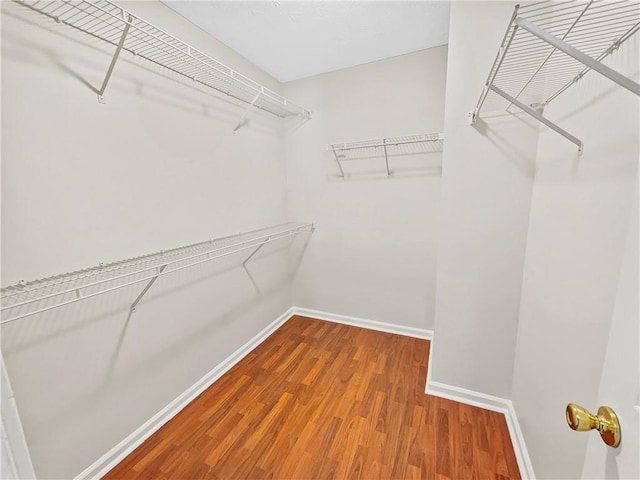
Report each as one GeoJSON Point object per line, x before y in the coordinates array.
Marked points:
{"type": "Point", "coordinates": [296, 39]}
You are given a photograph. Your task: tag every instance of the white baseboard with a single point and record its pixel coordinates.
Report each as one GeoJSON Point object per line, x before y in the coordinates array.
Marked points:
{"type": "Point", "coordinates": [364, 323]}
{"type": "Point", "coordinates": [489, 402]}
{"type": "Point", "coordinates": [129, 444]}
{"type": "Point", "coordinates": [114, 456]}
{"type": "Point", "coordinates": [109, 460]}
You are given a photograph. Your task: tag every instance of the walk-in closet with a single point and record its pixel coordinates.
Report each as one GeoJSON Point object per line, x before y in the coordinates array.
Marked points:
{"type": "Point", "coordinates": [309, 239]}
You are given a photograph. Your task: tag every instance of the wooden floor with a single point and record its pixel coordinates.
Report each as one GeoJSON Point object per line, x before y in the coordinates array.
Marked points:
{"type": "Point", "coordinates": [321, 400]}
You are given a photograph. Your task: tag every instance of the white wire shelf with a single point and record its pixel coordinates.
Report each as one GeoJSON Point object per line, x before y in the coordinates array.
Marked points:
{"type": "Point", "coordinates": [549, 46]}
{"type": "Point", "coordinates": [386, 148]}
{"type": "Point", "coordinates": [30, 298]}
{"type": "Point", "coordinates": [127, 32]}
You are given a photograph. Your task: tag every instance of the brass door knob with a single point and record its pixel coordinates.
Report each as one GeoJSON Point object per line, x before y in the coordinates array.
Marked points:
{"type": "Point", "coordinates": [606, 422]}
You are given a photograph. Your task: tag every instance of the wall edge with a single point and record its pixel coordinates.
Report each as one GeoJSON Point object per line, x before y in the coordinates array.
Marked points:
{"type": "Point", "coordinates": [488, 402]}
{"type": "Point", "coordinates": [365, 323]}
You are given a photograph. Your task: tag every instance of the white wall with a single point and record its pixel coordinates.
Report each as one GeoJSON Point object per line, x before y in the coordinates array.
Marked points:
{"type": "Point", "coordinates": [156, 135]}
{"type": "Point", "coordinates": [487, 178]}
{"type": "Point", "coordinates": [155, 167]}
{"type": "Point", "coordinates": [579, 221]}
{"type": "Point", "coordinates": [522, 264]}
{"type": "Point", "coordinates": [373, 255]}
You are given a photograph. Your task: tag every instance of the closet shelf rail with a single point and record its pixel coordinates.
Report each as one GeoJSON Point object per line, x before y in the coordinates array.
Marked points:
{"type": "Point", "coordinates": [108, 22]}
{"type": "Point", "coordinates": [549, 46]}
{"type": "Point", "coordinates": [30, 298]}
{"type": "Point", "coordinates": [387, 147]}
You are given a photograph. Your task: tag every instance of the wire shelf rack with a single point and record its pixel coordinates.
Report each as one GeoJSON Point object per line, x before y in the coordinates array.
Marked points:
{"type": "Point", "coordinates": [30, 298]}
{"type": "Point", "coordinates": [386, 148]}
{"type": "Point", "coordinates": [127, 32]}
{"type": "Point", "coordinates": [549, 46]}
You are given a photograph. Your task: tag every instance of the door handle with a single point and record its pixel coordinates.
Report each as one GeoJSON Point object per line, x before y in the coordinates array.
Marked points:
{"type": "Point", "coordinates": [606, 422]}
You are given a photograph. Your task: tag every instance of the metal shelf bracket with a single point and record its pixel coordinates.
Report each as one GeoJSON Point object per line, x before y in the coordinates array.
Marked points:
{"type": "Point", "coordinates": [338, 156]}
{"type": "Point", "coordinates": [539, 117]}
{"type": "Point", "coordinates": [246, 112]}
{"type": "Point", "coordinates": [386, 156]}
{"type": "Point", "coordinates": [255, 251]}
{"type": "Point", "coordinates": [134, 305]}
{"type": "Point", "coordinates": [114, 60]}
{"type": "Point", "coordinates": [246, 270]}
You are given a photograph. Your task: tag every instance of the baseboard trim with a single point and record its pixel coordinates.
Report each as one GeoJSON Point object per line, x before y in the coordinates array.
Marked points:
{"type": "Point", "coordinates": [365, 323]}
{"type": "Point", "coordinates": [114, 456]}
{"type": "Point", "coordinates": [489, 402]}
{"type": "Point", "coordinates": [109, 460]}
{"type": "Point", "coordinates": [519, 445]}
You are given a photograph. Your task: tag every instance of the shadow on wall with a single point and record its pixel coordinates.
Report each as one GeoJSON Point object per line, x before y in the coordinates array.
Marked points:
{"type": "Point", "coordinates": [611, 467]}
{"type": "Point", "coordinates": [626, 58]}
{"type": "Point", "coordinates": [126, 76]}
{"type": "Point", "coordinates": [490, 126]}
{"type": "Point", "coordinates": [26, 335]}
{"type": "Point", "coordinates": [373, 167]}
{"type": "Point", "coordinates": [294, 124]}
{"type": "Point", "coordinates": [41, 328]}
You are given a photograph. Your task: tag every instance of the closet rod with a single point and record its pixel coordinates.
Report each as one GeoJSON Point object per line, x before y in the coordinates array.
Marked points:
{"type": "Point", "coordinates": [160, 269]}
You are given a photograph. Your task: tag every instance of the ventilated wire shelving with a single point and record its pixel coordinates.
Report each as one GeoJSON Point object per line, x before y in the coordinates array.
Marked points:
{"type": "Point", "coordinates": [386, 148]}
{"type": "Point", "coordinates": [549, 46]}
{"type": "Point", "coordinates": [30, 298]}
{"type": "Point", "coordinates": [127, 32]}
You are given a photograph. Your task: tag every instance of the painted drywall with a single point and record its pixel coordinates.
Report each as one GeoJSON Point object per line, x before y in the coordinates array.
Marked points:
{"type": "Point", "coordinates": [620, 379]}
{"type": "Point", "coordinates": [487, 179]}
{"type": "Point", "coordinates": [579, 221]}
{"type": "Point", "coordinates": [373, 255]}
{"type": "Point", "coordinates": [155, 167]}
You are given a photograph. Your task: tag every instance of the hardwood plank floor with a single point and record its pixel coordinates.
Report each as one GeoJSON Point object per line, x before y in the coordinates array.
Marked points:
{"type": "Point", "coordinates": [320, 400]}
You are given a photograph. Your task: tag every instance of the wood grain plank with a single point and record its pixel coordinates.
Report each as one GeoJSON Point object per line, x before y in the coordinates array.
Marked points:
{"type": "Point", "coordinates": [323, 400]}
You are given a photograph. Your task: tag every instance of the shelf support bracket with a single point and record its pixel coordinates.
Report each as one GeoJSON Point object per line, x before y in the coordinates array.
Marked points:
{"type": "Point", "coordinates": [246, 112]}
{"type": "Point", "coordinates": [145, 289]}
{"type": "Point", "coordinates": [386, 157]}
{"type": "Point", "coordinates": [251, 279]}
{"type": "Point", "coordinates": [578, 55]}
{"type": "Point", "coordinates": [244, 265]}
{"type": "Point", "coordinates": [338, 161]}
{"type": "Point", "coordinates": [114, 60]}
{"type": "Point", "coordinates": [255, 251]}
{"type": "Point", "coordinates": [538, 117]}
